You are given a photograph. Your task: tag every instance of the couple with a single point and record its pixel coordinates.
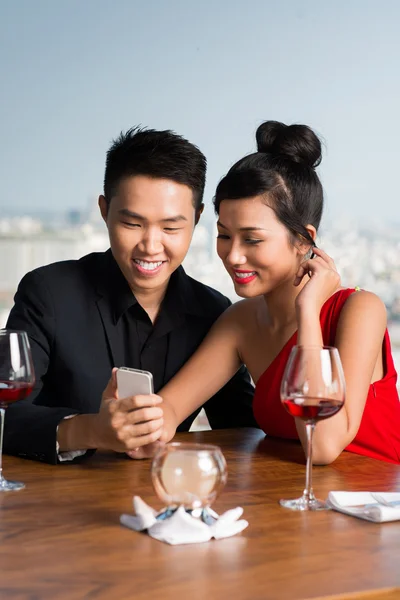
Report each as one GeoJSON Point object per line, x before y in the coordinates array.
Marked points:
{"type": "Point", "coordinates": [135, 306]}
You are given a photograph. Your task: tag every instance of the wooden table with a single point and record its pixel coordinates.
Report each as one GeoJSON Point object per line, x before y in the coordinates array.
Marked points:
{"type": "Point", "coordinates": [61, 537]}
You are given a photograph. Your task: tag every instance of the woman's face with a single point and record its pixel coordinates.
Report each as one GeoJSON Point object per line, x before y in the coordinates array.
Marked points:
{"type": "Point", "coordinates": [255, 247]}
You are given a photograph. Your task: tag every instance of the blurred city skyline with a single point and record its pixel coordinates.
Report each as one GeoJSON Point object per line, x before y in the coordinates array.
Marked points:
{"type": "Point", "coordinates": [74, 74]}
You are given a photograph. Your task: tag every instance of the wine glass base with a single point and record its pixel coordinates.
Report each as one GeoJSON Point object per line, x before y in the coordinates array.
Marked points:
{"type": "Point", "coordinates": [304, 503]}
{"type": "Point", "coordinates": [10, 486]}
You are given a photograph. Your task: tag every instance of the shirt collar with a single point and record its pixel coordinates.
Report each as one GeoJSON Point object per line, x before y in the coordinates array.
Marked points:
{"type": "Point", "coordinates": [181, 291]}
{"type": "Point", "coordinates": [121, 295]}
{"type": "Point", "coordinates": [179, 299]}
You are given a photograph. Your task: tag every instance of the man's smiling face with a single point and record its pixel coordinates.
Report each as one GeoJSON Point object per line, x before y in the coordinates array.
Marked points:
{"type": "Point", "coordinates": [150, 224]}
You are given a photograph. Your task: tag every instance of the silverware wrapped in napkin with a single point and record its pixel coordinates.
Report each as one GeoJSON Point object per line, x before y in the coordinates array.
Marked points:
{"type": "Point", "coordinates": [378, 507]}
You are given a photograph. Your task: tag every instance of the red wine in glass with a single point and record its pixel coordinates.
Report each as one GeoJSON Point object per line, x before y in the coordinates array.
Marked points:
{"type": "Point", "coordinates": [16, 382]}
{"type": "Point", "coordinates": [312, 389]}
{"type": "Point", "coordinates": [13, 391]}
{"type": "Point", "coordinates": [312, 409]}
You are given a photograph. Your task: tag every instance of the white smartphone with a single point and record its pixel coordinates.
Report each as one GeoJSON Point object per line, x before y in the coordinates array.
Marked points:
{"type": "Point", "coordinates": [133, 381]}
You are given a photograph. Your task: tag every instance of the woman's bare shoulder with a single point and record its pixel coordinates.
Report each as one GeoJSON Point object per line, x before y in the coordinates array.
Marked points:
{"type": "Point", "coordinates": [363, 307]}
{"type": "Point", "coordinates": [364, 300]}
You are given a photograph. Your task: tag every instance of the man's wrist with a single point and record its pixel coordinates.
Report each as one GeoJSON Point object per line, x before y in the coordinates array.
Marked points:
{"type": "Point", "coordinates": [78, 433]}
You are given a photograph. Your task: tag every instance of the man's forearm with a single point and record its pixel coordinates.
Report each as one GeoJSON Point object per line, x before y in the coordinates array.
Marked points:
{"type": "Point", "coordinates": [77, 433]}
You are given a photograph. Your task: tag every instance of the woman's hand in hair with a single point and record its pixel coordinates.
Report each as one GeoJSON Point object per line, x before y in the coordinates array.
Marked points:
{"type": "Point", "coordinates": [322, 281]}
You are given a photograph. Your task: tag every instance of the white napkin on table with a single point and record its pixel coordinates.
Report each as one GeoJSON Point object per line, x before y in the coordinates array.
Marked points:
{"type": "Point", "coordinates": [181, 527]}
{"type": "Point", "coordinates": [378, 507]}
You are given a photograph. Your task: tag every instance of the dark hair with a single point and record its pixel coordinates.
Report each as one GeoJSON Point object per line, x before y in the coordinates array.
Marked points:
{"type": "Point", "coordinates": [282, 169]}
{"type": "Point", "coordinates": [157, 154]}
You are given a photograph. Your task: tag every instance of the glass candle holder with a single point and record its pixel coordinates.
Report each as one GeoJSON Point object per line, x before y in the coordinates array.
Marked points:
{"type": "Point", "coordinates": [188, 475]}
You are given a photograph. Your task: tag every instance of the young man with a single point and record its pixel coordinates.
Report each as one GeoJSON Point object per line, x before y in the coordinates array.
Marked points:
{"type": "Point", "coordinates": [131, 306]}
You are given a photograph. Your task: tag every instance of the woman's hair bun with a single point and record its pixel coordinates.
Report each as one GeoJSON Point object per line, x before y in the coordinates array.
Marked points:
{"type": "Point", "coordinates": [295, 142]}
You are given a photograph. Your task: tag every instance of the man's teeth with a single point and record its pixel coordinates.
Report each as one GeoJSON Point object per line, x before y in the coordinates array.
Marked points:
{"type": "Point", "coordinates": [244, 275]}
{"type": "Point", "coordinates": [149, 266]}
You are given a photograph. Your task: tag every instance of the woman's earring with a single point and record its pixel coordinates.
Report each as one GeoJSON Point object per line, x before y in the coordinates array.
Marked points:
{"type": "Point", "coordinates": [312, 253]}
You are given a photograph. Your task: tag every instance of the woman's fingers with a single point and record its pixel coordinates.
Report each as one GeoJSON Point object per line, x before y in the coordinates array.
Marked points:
{"type": "Point", "coordinates": [141, 415]}
{"type": "Point", "coordinates": [134, 436]}
{"type": "Point", "coordinates": [321, 254]}
{"type": "Point", "coordinates": [138, 431]}
{"type": "Point", "coordinates": [138, 401]}
{"type": "Point", "coordinates": [137, 442]}
{"type": "Point", "coordinates": [306, 267]}
{"type": "Point", "coordinates": [313, 265]}
{"type": "Point", "coordinates": [300, 273]}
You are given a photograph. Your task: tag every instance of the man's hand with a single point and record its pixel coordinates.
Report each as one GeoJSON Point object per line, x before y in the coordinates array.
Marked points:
{"type": "Point", "coordinates": [120, 425]}
{"type": "Point", "coordinates": [167, 433]}
{"type": "Point", "coordinates": [128, 423]}
{"type": "Point", "coordinates": [147, 451]}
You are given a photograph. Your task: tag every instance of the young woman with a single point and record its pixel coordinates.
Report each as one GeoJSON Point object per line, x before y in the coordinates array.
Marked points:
{"type": "Point", "coordinates": [269, 207]}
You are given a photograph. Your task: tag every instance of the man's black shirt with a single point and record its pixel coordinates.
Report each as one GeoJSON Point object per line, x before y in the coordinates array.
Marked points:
{"type": "Point", "coordinates": [146, 345]}
{"type": "Point", "coordinates": [82, 320]}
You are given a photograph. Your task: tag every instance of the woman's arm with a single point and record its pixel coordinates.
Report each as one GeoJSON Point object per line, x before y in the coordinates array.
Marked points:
{"type": "Point", "coordinates": [212, 365]}
{"type": "Point", "coordinates": [359, 339]}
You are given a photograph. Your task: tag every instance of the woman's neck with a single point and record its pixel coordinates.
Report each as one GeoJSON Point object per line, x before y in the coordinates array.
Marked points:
{"type": "Point", "coordinates": [280, 304]}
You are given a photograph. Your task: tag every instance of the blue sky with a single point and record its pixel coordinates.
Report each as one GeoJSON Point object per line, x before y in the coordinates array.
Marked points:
{"type": "Point", "coordinates": [74, 73]}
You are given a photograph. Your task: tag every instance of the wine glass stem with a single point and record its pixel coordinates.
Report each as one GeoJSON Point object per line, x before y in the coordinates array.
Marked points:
{"type": "Point", "coordinates": [308, 493]}
{"type": "Point", "coordinates": [2, 414]}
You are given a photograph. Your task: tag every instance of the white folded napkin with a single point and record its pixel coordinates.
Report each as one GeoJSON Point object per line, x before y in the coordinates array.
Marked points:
{"type": "Point", "coordinates": [181, 527]}
{"type": "Point", "coordinates": [378, 507]}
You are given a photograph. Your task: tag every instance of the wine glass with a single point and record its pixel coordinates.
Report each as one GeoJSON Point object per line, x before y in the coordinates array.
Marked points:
{"type": "Point", "coordinates": [312, 389]}
{"type": "Point", "coordinates": [16, 382]}
{"type": "Point", "coordinates": [188, 475]}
